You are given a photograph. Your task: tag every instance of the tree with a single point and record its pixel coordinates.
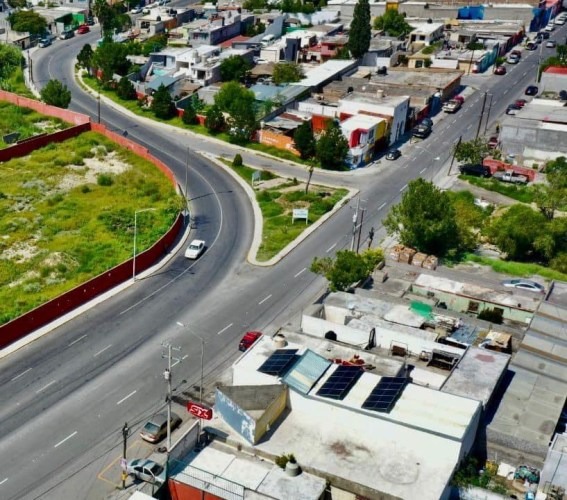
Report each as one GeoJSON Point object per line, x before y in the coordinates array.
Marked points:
{"type": "Point", "coordinates": [10, 59]}
{"type": "Point", "coordinates": [28, 21]}
{"type": "Point", "coordinates": [239, 103]}
{"type": "Point", "coordinates": [393, 23]}
{"type": "Point", "coordinates": [347, 267]}
{"type": "Point", "coordinates": [17, 4]}
{"type": "Point", "coordinates": [106, 16]}
{"type": "Point", "coordinates": [424, 219]}
{"type": "Point", "coordinates": [85, 57]}
{"type": "Point", "coordinates": [162, 103]}
{"type": "Point", "coordinates": [332, 148]}
{"type": "Point", "coordinates": [214, 119]}
{"type": "Point", "coordinates": [473, 151]}
{"type": "Point", "coordinates": [234, 68]}
{"type": "Point", "coordinates": [553, 195]}
{"type": "Point", "coordinates": [56, 94]}
{"type": "Point", "coordinates": [304, 140]}
{"type": "Point", "coordinates": [110, 58]}
{"type": "Point", "coordinates": [359, 34]}
{"type": "Point", "coordinates": [189, 116]}
{"type": "Point", "coordinates": [286, 72]}
{"type": "Point", "coordinates": [125, 89]}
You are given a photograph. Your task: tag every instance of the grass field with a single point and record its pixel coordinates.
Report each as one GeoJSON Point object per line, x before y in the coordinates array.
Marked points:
{"type": "Point", "coordinates": [522, 269]}
{"type": "Point", "coordinates": [16, 83]}
{"type": "Point", "coordinates": [277, 199]}
{"type": "Point", "coordinates": [26, 122]}
{"type": "Point", "coordinates": [67, 215]}
{"type": "Point", "coordinates": [523, 194]}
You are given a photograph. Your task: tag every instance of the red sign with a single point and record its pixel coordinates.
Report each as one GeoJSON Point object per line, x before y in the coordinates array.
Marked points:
{"type": "Point", "coordinates": [199, 410]}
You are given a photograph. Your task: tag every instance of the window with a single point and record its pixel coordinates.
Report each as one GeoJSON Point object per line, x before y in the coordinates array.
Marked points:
{"type": "Point", "coordinates": [473, 307]}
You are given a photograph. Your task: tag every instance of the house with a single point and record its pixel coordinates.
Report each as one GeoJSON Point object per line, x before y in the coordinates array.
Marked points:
{"type": "Point", "coordinates": [279, 130]}
{"type": "Point", "coordinates": [218, 28]}
{"type": "Point", "coordinates": [319, 76]}
{"type": "Point", "coordinates": [324, 50]}
{"type": "Point", "coordinates": [425, 33]}
{"type": "Point", "coordinates": [554, 79]}
{"type": "Point", "coordinates": [362, 132]}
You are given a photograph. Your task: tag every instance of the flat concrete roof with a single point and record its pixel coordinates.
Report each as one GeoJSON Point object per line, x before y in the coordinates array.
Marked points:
{"type": "Point", "coordinates": [477, 374]}
{"type": "Point", "coordinates": [220, 466]}
{"type": "Point", "coordinates": [316, 76]}
{"type": "Point", "coordinates": [428, 77]}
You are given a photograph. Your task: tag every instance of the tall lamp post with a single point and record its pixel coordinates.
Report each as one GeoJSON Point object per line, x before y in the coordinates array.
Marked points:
{"type": "Point", "coordinates": [135, 235]}
{"type": "Point", "coordinates": [125, 434]}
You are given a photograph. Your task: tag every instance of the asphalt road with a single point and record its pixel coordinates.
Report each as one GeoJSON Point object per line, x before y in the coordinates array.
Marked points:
{"type": "Point", "coordinates": [64, 398]}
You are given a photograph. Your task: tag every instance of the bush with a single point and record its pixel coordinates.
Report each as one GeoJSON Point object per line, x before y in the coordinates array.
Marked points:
{"type": "Point", "coordinates": [237, 161]}
{"type": "Point", "coordinates": [104, 180]}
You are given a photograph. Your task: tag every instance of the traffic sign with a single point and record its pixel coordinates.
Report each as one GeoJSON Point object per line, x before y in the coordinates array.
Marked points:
{"type": "Point", "coordinates": [123, 463]}
{"type": "Point", "coordinates": [199, 410]}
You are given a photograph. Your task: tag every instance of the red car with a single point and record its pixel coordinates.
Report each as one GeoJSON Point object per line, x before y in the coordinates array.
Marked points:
{"type": "Point", "coordinates": [493, 142]}
{"type": "Point", "coordinates": [500, 70]}
{"type": "Point", "coordinates": [82, 29]}
{"type": "Point", "coordinates": [248, 339]}
{"type": "Point", "coordinates": [520, 102]}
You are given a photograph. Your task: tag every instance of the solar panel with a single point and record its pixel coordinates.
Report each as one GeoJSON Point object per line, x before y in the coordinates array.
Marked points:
{"type": "Point", "coordinates": [278, 362]}
{"type": "Point", "coordinates": [384, 395]}
{"type": "Point", "coordinates": [340, 382]}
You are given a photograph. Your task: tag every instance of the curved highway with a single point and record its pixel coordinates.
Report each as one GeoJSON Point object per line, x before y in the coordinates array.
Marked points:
{"type": "Point", "coordinates": [65, 397]}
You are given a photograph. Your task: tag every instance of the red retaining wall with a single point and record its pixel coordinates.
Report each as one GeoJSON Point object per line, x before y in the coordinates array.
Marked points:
{"type": "Point", "coordinates": [44, 314]}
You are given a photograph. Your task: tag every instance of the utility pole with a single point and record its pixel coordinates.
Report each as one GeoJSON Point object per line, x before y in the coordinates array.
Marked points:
{"type": "Point", "coordinates": [168, 376]}
{"type": "Point", "coordinates": [360, 229]}
{"type": "Point", "coordinates": [488, 113]}
{"type": "Point", "coordinates": [354, 221]}
{"type": "Point", "coordinates": [481, 115]}
{"type": "Point", "coordinates": [186, 181]}
{"type": "Point", "coordinates": [454, 154]}
{"type": "Point", "coordinates": [125, 433]}
{"type": "Point", "coordinates": [539, 62]}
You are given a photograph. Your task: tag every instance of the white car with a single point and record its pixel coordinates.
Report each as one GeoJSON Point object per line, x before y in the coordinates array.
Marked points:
{"type": "Point", "coordinates": [195, 249]}
{"type": "Point", "coordinates": [146, 470]}
{"type": "Point", "coordinates": [137, 10]}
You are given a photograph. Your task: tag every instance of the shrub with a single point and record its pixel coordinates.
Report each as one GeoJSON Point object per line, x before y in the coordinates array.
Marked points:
{"type": "Point", "coordinates": [104, 180]}
{"type": "Point", "coordinates": [237, 161]}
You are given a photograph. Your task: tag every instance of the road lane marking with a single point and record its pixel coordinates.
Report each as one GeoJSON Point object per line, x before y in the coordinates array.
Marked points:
{"type": "Point", "coordinates": [330, 248]}
{"type": "Point", "coordinates": [20, 375]}
{"type": "Point", "coordinates": [185, 357]}
{"type": "Point", "coordinates": [382, 206]}
{"type": "Point", "coordinates": [525, 73]}
{"type": "Point", "coordinates": [3, 481]}
{"type": "Point", "coordinates": [403, 187]}
{"type": "Point", "coordinates": [469, 127]}
{"type": "Point", "coordinates": [45, 387]}
{"type": "Point", "coordinates": [63, 440]}
{"type": "Point", "coordinates": [125, 398]}
{"type": "Point", "coordinates": [77, 340]}
{"type": "Point", "coordinates": [225, 329]}
{"type": "Point", "coordinates": [506, 91]}
{"type": "Point", "coordinates": [264, 299]}
{"type": "Point", "coordinates": [102, 350]}
{"type": "Point", "coordinates": [423, 170]}
{"type": "Point", "coordinates": [300, 272]}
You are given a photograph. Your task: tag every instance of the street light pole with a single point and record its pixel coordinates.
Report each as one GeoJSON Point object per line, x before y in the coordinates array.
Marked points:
{"type": "Point", "coordinates": [488, 113]}
{"type": "Point", "coordinates": [135, 235]}
{"type": "Point", "coordinates": [125, 433]}
{"type": "Point", "coordinates": [354, 221]}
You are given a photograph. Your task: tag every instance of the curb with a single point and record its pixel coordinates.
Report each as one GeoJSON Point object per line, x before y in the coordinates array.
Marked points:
{"type": "Point", "coordinates": [259, 220]}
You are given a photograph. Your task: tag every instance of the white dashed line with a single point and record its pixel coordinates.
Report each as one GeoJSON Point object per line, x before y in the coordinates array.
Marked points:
{"type": "Point", "coordinates": [469, 127]}
{"type": "Point", "coordinates": [3, 481]}
{"type": "Point", "coordinates": [102, 350]}
{"type": "Point", "coordinates": [20, 375]}
{"type": "Point", "coordinates": [225, 329]}
{"type": "Point", "coordinates": [264, 299]}
{"type": "Point", "coordinates": [330, 248]}
{"type": "Point", "coordinates": [506, 91]}
{"type": "Point", "coordinates": [77, 340]}
{"type": "Point", "coordinates": [185, 357]}
{"type": "Point", "coordinates": [524, 73]}
{"type": "Point", "coordinates": [403, 187]}
{"type": "Point", "coordinates": [423, 170]}
{"type": "Point", "coordinates": [125, 398]}
{"type": "Point", "coordinates": [382, 206]}
{"type": "Point", "coordinates": [45, 387]}
{"type": "Point", "coordinates": [300, 272]}
{"type": "Point", "coordinates": [63, 440]}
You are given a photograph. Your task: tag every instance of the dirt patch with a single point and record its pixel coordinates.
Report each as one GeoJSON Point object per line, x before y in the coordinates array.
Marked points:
{"type": "Point", "coordinates": [20, 252]}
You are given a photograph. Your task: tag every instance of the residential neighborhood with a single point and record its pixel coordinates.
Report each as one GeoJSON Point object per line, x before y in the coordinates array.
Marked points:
{"type": "Point", "coordinates": [258, 249]}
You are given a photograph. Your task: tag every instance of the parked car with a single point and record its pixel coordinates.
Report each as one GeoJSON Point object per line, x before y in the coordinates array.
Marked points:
{"type": "Point", "coordinates": [156, 427]}
{"type": "Point", "coordinates": [516, 53]}
{"type": "Point", "coordinates": [44, 42]}
{"type": "Point", "coordinates": [452, 106]}
{"type": "Point", "coordinates": [248, 339]}
{"type": "Point", "coordinates": [551, 44]}
{"type": "Point", "coordinates": [146, 470]}
{"type": "Point", "coordinates": [523, 284]}
{"type": "Point", "coordinates": [559, 21]}
{"type": "Point", "coordinates": [531, 90]}
{"type": "Point", "coordinates": [500, 70]}
{"type": "Point", "coordinates": [512, 59]}
{"type": "Point", "coordinates": [195, 249]}
{"type": "Point", "coordinates": [83, 29]}
{"type": "Point", "coordinates": [90, 21]}
{"type": "Point", "coordinates": [510, 177]}
{"type": "Point", "coordinates": [550, 27]}
{"type": "Point", "coordinates": [531, 46]}
{"type": "Point", "coordinates": [493, 142]}
{"type": "Point", "coordinates": [545, 34]}
{"type": "Point", "coordinates": [137, 10]}
{"type": "Point", "coordinates": [65, 35]}
{"type": "Point", "coordinates": [520, 102]}
{"type": "Point", "coordinates": [393, 154]}
{"type": "Point", "coordinates": [512, 109]}
{"type": "Point", "coordinates": [475, 169]}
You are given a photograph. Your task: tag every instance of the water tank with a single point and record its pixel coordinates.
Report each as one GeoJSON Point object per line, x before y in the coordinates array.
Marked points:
{"type": "Point", "coordinates": [330, 335]}
{"type": "Point", "coordinates": [280, 341]}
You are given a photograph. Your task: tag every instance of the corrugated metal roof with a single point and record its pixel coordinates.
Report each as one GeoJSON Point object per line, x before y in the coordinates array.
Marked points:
{"type": "Point", "coordinates": [306, 372]}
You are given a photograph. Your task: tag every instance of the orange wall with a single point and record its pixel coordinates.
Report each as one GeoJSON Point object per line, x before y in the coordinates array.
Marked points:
{"type": "Point", "coordinates": [182, 491]}
{"type": "Point", "coordinates": [279, 141]}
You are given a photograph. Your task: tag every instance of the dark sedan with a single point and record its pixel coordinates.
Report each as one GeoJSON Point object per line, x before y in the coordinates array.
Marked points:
{"type": "Point", "coordinates": [531, 90]}
{"type": "Point", "coordinates": [393, 154]}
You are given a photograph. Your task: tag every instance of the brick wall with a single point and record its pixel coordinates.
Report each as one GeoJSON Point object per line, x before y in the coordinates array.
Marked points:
{"type": "Point", "coordinates": [279, 141]}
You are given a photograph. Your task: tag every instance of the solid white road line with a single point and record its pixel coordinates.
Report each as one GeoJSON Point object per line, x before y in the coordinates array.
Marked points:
{"type": "Point", "coordinates": [382, 206]}
{"type": "Point", "coordinates": [63, 440]}
{"type": "Point", "coordinates": [3, 481]}
{"type": "Point", "coordinates": [102, 350]}
{"type": "Point", "coordinates": [125, 398]}
{"type": "Point", "coordinates": [403, 187]}
{"type": "Point", "coordinates": [20, 375]}
{"type": "Point", "coordinates": [423, 170]}
{"type": "Point", "coordinates": [264, 300]}
{"type": "Point", "coordinates": [225, 329]}
{"type": "Point", "coordinates": [77, 340]}
{"type": "Point", "coordinates": [330, 248]}
{"type": "Point", "coordinates": [45, 387]}
{"type": "Point", "coordinates": [300, 272]}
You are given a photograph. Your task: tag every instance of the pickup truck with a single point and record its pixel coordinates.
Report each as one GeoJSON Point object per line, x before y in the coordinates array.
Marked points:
{"type": "Point", "coordinates": [511, 177]}
{"type": "Point", "coordinates": [452, 106]}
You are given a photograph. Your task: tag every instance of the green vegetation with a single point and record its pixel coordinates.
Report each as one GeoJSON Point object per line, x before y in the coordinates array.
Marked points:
{"type": "Point", "coordinates": [393, 23]}
{"type": "Point", "coordinates": [28, 21]}
{"type": "Point", "coordinates": [522, 269]}
{"type": "Point", "coordinates": [359, 33]}
{"type": "Point", "coordinates": [332, 148]}
{"type": "Point", "coordinates": [277, 203]}
{"type": "Point", "coordinates": [304, 140]}
{"type": "Point", "coordinates": [524, 194]}
{"type": "Point", "coordinates": [473, 151]}
{"type": "Point", "coordinates": [472, 473]}
{"type": "Point", "coordinates": [234, 68]}
{"type": "Point", "coordinates": [56, 93]}
{"type": "Point", "coordinates": [63, 223]}
{"type": "Point", "coordinates": [25, 121]}
{"type": "Point", "coordinates": [286, 72]}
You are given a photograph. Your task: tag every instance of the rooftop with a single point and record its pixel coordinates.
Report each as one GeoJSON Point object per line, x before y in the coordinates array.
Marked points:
{"type": "Point", "coordinates": [326, 71]}
{"type": "Point", "coordinates": [364, 122]}
{"type": "Point", "coordinates": [556, 70]}
{"type": "Point", "coordinates": [419, 78]}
